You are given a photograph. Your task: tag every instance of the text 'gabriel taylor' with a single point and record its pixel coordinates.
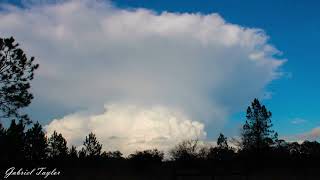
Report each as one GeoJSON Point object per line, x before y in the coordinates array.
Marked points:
{"type": "Point", "coordinates": [41, 171]}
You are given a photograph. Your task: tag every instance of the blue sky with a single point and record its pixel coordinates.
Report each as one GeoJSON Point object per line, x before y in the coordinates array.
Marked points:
{"type": "Point", "coordinates": [292, 27]}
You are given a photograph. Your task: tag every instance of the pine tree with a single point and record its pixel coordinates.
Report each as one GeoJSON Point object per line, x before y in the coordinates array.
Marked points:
{"type": "Point", "coordinates": [15, 141]}
{"type": "Point", "coordinates": [92, 148]}
{"type": "Point", "coordinates": [16, 72]}
{"type": "Point", "coordinates": [73, 153]}
{"type": "Point", "coordinates": [222, 142]}
{"type": "Point", "coordinates": [36, 146]}
{"type": "Point", "coordinates": [257, 133]}
{"type": "Point", "coordinates": [57, 146]}
{"type": "Point", "coordinates": [222, 151]}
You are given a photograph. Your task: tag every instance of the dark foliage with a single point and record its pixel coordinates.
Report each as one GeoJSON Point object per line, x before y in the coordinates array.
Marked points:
{"type": "Point", "coordinates": [57, 146]}
{"type": "Point", "coordinates": [15, 142]}
{"type": "Point", "coordinates": [92, 148]}
{"type": "Point", "coordinates": [16, 70]}
{"type": "Point", "coordinates": [147, 155]}
{"type": "Point", "coordinates": [3, 147]}
{"type": "Point", "coordinates": [112, 155]}
{"type": "Point", "coordinates": [72, 153]}
{"type": "Point", "coordinates": [222, 152]}
{"type": "Point", "coordinates": [257, 134]}
{"type": "Point", "coordinates": [36, 145]}
{"type": "Point", "coordinates": [186, 150]}
{"type": "Point", "coordinates": [222, 142]}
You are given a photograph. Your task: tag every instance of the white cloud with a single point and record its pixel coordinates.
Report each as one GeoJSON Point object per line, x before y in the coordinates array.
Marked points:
{"type": "Point", "coordinates": [92, 53]}
{"type": "Point", "coordinates": [129, 127]}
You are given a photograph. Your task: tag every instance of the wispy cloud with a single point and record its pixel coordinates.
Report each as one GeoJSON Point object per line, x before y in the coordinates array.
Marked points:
{"type": "Point", "coordinates": [298, 121]}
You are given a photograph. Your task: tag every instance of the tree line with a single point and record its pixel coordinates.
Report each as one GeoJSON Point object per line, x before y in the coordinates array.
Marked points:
{"type": "Point", "coordinates": [18, 143]}
{"type": "Point", "coordinates": [257, 141]}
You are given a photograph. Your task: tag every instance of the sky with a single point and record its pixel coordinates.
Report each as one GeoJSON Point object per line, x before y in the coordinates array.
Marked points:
{"type": "Point", "coordinates": [144, 74]}
{"type": "Point", "coordinates": [293, 27]}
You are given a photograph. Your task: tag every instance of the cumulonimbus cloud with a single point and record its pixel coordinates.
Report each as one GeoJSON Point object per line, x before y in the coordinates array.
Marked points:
{"type": "Point", "coordinates": [130, 127]}
{"type": "Point", "coordinates": [92, 53]}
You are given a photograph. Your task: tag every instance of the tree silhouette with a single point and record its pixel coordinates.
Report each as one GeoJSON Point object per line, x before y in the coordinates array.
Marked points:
{"type": "Point", "coordinates": [256, 132]}
{"type": "Point", "coordinates": [222, 151]}
{"type": "Point", "coordinates": [222, 141]}
{"type": "Point", "coordinates": [73, 153]}
{"type": "Point", "coordinates": [147, 155]}
{"type": "Point", "coordinates": [17, 146]}
{"type": "Point", "coordinates": [16, 70]}
{"type": "Point", "coordinates": [36, 146]}
{"type": "Point", "coordinates": [2, 142]}
{"type": "Point", "coordinates": [57, 146]}
{"type": "Point", "coordinates": [112, 155]}
{"type": "Point", "coordinates": [281, 149]}
{"type": "Point", "coordinates": [294, 149]}
{"type": "Point", "coordinates": [92, 148]}
{"type": "Point", "coordinates": [2, 130]}
{"type": "Point", "coordinates": [186, 150]}
{"type": "Point", "coordinates": [15, 141]}
{"type": "Point", "coordinates": [310, 149]}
